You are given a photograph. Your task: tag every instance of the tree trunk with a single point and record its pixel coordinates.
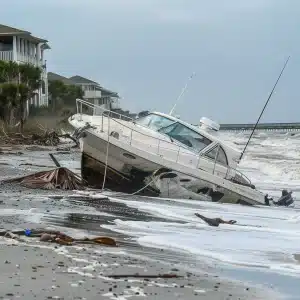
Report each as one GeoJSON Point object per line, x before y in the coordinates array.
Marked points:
{"type": "Point", "coordinates": [11, 115]}
{"type": "Point", "coordinates": [22, 111]}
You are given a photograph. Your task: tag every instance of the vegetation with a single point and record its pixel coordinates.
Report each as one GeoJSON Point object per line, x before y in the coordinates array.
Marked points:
{"type": "Point", "coordinates": [63, 96]}
{"type": "Point", "coordinates": [61, 102]}
{"type": "Point", "coordinates": [18, 84]}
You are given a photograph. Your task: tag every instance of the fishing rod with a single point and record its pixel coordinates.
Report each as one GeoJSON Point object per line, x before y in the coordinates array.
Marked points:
{"type": "Point", "coordinates": [265, 106]}
{"type": "Point", "coordinates": [182, 92]}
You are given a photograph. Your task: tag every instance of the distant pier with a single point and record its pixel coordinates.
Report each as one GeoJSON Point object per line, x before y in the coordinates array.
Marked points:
{"type": "Point", "coordinates": [261, 127]}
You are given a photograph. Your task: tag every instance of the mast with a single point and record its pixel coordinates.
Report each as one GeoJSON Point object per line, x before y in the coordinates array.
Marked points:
{"type": "Point", "coordinates": [265, 106]}
{"type": "Point", "coordinates": [182, 92]}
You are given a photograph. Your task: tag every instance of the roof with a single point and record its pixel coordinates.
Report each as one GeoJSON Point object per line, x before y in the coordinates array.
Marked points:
{"type": "Point", "coordinates": [106, 92]}
{"type": "Point", "coordinates": [79, 80]}
{"type": "Point", "coordinates": [53, 77]}
{"type": "Point", "coordinates": [7, 30]}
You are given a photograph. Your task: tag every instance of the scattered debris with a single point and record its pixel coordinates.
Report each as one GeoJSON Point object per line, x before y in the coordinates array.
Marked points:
{"type": "Point", "coordinates": [57, 237]}
{"type": "Point", "coordinates": [48, 138]}
{"type": "Point", "coordinates": [166, 276]}
{"type": "Point", "coordinates": [59, 178]}
{"type": "Point", "coordinates": [54, 160]}
{"type": "Point", "coordinates": [33, 165]}
{"type": "Point", "coordinates": [214, 221]}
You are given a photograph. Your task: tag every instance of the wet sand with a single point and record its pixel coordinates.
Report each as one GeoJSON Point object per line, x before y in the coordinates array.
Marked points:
{"type": "Point", "coordinates": [34, 270]}
{"type": "Point", "coordinates": [29, 272]}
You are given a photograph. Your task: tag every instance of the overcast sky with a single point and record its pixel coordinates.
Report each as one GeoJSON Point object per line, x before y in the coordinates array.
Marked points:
{"type": "Point", "coordinates": [146, 49]}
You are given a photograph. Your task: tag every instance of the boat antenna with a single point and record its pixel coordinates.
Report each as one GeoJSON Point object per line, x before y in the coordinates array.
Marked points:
{"type": "Point", "coordinates": [265, 106]}
{"type": "Point", "coordinates": [182, 92]}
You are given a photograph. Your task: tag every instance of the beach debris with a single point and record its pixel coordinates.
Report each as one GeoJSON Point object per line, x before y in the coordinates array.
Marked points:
{"type": "Point", "coordinates": [54, 160]}
{"type": "Point", "coordinates": [47, 138]}
{"type": "Point", "coordinates": [57, 237]}
{"type": "Point", "coordinates": [59, 178]}
{"type": "Point", "coordinates": [214, 221]}
{"type": "Point", "coordinates": [165, 276]}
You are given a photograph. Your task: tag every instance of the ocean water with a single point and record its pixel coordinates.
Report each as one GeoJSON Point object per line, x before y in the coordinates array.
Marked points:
{"type": "Point", "coordinates": [265, 238]}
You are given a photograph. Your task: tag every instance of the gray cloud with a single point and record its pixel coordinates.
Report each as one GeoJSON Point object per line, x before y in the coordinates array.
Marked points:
{"type": "Point", "coordinates": [146, 50]}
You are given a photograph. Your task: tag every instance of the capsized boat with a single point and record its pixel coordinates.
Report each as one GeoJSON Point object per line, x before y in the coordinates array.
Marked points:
{"type": "Point", "coordinates": [159, 155]}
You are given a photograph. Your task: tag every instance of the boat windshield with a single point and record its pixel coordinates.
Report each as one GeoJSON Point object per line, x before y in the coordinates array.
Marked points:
{"type": "Point", "coordinates": [186, 136]}
{"type": "Point", "coordinates": [154, 122]}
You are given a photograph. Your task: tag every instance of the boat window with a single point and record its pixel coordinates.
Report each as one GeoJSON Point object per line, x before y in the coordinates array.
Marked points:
{"type": "Point", "coordinates": [222, 158]}
{"type": "Point", "coordinates": [154, 122]}
{"type": "Point", "coordinates": [186, 136]}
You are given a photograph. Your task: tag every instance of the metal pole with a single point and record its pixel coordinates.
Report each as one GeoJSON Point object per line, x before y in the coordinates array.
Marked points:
{"type": "Point", "coordinates": [216, 157]}
{"type": "Point", "coordinates": [265, 106]}
{"type": "Point", "coordinates": [178, 154]}
{"type": "Point", "coordinates": [181, 94]}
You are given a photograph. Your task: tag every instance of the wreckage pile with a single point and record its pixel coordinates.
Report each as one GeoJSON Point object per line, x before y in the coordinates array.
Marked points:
{"type": "Point", "coordinates": [59, 178]}
{"type": "Point", "coordinates": [49, 138]}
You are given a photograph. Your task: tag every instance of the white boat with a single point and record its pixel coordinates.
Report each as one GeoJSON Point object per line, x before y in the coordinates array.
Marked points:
{"type": "Point", "coordinates": [159, 155]}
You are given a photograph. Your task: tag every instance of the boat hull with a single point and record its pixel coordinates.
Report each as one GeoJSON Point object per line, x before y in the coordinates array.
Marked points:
{"type": "Point", "coordinates": [129, 172]}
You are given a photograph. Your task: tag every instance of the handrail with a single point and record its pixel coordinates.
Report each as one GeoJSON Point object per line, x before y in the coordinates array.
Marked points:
{"type": "Point", "coordinates": [91, 105]}
{"type": "Point", "coordinates": [135, 130]}
{"type": "Point", "coordinates": [180, 148]}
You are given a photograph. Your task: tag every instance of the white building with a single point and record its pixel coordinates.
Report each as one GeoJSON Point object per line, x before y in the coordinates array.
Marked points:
{"type": "Point", "coordinates": [20, 46]}
{"type": "Point", "coordinates": [93, 91]}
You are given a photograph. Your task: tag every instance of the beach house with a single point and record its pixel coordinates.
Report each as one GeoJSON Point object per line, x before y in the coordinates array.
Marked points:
{"type": "Point", "coordinates": [93, 91]}
{"type": "Point", "coordinates": [96, 94]}
{"type": "Point", "coordinates": [22, 47]}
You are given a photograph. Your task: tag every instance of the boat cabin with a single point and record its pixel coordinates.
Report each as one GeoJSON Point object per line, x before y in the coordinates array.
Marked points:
{"type": "Point", "coordinates": [215, 155]}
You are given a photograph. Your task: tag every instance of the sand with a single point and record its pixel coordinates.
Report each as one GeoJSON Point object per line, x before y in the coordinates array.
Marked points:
{"type": "Point", "coordinates": [32, 272]}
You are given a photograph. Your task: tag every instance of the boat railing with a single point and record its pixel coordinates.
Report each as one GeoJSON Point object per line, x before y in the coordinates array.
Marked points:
{"type": "Point", "coordinates": [162, 144]}
{"type": "Point", "coordinates": [96, 108]}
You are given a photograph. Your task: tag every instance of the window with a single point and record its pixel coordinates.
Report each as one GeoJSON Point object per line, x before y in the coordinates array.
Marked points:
{"type": "Point", "coordinates": [222, 158]}
{"type": "Point", "coordinates": [154, 122]}
{"type": "Point", "coordinates": [186, 136]}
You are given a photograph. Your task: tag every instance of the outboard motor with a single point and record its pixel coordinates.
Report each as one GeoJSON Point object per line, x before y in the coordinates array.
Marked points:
{"type": "Point", "coordinates": [286, 199]}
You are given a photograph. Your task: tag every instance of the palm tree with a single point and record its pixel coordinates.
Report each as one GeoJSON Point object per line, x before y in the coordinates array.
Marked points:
{"type": "Point", "coordinates": [18, 84]}
{"type": "Point", "coordinates": [8, 89]}
{"type": "Point", "coordinates": [30, 82]}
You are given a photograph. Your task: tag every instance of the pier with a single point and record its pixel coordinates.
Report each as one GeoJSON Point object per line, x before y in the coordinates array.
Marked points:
{"type": "Point", "coordinates": [261, 127]}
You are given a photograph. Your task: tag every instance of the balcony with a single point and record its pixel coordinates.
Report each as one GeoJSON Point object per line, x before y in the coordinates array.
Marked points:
{"type": "Point", "coordinates": [92, 94]}
{"type": "Point", "coordinates": [6, 55]}
{"type": "Point", "coordinates": [29, 59]}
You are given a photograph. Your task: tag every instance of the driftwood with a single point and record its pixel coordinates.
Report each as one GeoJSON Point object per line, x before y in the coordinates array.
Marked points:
{"type": "Point", "coordinates": [48, 138]}
{"type": "Point", "coordinates": [144, 276]}
{"type": "Point", "coordinates": [214, 221]}
{"type": "Point", "coordinates": [59, 178]}
{"type": "Point", "coordinates": [57, 237]}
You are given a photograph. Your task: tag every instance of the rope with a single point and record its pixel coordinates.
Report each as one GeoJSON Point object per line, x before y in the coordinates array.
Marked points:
{"type": "Point", "coordinates": [138, 191]}
{"type": "Point", "coordinates": [106, 164]}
